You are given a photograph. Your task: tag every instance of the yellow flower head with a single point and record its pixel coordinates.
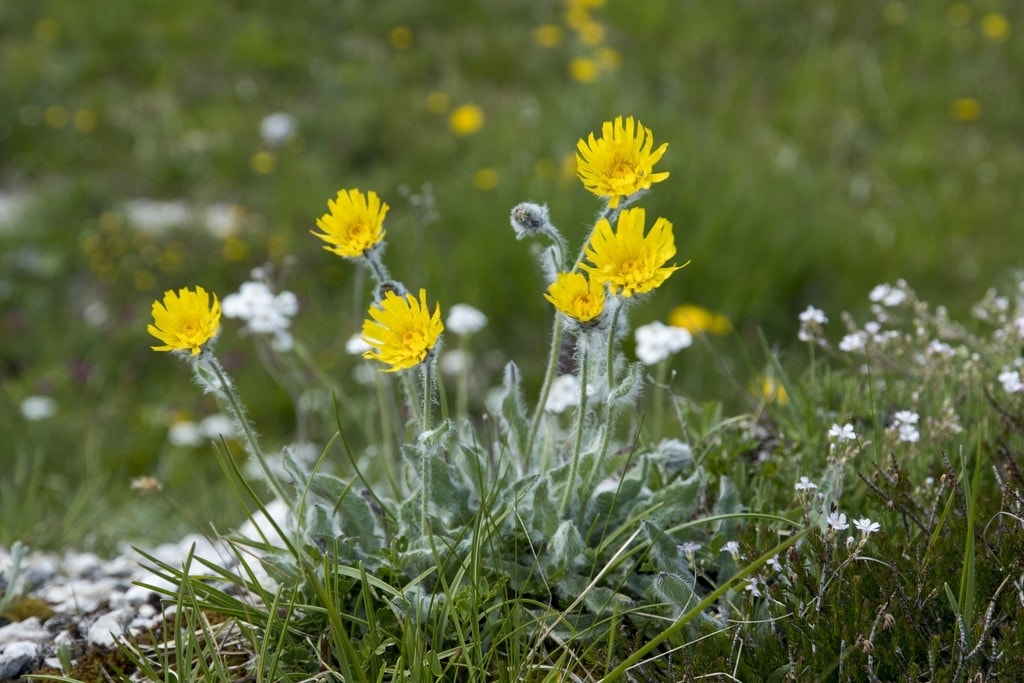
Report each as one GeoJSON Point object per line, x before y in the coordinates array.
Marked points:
{"type": "Point", "coordinates": [627, 260]}
{"type": "Point", "coordinates": [185, 321]}
{"type": "Point", "coordinates": [621, 162]}
{"type": "Point", "coordinates": [576, 297]}
{"type": "Point", "coordinates": [466, 119]}
{"type": "Point", "coordinates": [697, 320]}
{"type": "Point", "coordinates": [354, 225]}
{"type": "Point", "coordinates": [402, 330]}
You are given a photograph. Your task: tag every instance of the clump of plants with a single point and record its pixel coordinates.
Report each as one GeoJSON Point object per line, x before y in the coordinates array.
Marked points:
{"type": "Point", "coordinates": [845, 527]}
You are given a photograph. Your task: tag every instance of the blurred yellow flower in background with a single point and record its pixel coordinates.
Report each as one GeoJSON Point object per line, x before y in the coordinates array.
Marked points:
{"type": "Point", "coordinates": [548, 35]}
{"type": "Point", "coordinates": [485, 179]}
{"type": "Point", "coordinates": [402, 330]}
{"type": "Point", "coordinates": [400, 37]}
{"type": "Point", "coordinates": [995, 27]}
{"type": "Point", "coordinates": [576, 297]}
{"type": "Point", "coordinates": [355, 223]}
{"type": "Point", "coordinates": [699, 320]}
{"type": "Point", "coordinates": [965, 109]}
{"type": "Point", "coordinates": [185, 321]}
{"type": "Point", "coordinates": [621, 162]}
{"type": "Point", "coordinates": [583, 70]}
{"type": "Point", "coordinates": [466, 119]}
{"type": "Point", "coordinates": [627, 260]}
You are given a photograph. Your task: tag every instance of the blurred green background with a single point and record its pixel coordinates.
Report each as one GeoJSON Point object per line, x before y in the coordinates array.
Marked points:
{"type": "Point", "coordinates": [815, 150]}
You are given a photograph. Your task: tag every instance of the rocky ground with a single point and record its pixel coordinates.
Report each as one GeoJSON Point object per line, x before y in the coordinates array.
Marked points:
{"type": "Point", "coordinates": [61, 614]}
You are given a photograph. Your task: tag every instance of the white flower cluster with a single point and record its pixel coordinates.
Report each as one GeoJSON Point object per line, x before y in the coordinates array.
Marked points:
{"type": "Point", "coordinates": [564, 394]}
{"type": "Point", "coordinates": [657, 341]}
{"type": "Point", "coordinates": [464, 320]}
{"type": "Point", "coordinates": [904, 422]}
{"type": "Point", "coordinates": [263, 312]}
{"type": "Point", "coordinates": [811, 322]}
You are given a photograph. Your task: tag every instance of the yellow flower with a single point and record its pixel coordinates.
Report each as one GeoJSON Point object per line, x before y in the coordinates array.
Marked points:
{"type": "Point", "coordinates": [402, 330]}
{"type": "Point", "coordinates": [965, 109]}
{"type": "Point", "coordinates": [697, 320]}
{"type": "Point", "coordinates": [576, 297]}
{"type": "Point", "coordinates": [627, 260]}
{"type": "Point", "coordinates": [185, 321]}
{"type": "Point", "coordinates": [354, 225]}
{"type": "Point", "coordinates": [583, 70]}
{"type": "Point", "coordinates": [766, 388]}
{"type": "Point", "coordinates": [995, 27]}
{"type": "Point", "coordinates": [621, 162]}
{"type": "Point", "coordinates": [466, 119]}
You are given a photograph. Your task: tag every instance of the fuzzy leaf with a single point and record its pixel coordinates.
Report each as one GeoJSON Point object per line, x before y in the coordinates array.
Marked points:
{"type": "Point", "coordinates": [543, 513]}
{"type": "Point", "coordinates": [663, 552]}
{"type": "Point", "coordinates": [677, 589]}
{"type": "Point", "coordinates": [566, 546]}
{"type": "Point", "coordinates": [328, 487]}
{"type": "Point", "coordinates": [513, 410]}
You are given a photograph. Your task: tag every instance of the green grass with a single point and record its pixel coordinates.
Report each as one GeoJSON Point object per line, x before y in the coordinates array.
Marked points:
{"type": "Point", "coordinates": [814, 152]}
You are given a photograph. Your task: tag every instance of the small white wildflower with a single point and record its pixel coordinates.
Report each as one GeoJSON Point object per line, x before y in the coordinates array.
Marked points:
{"type": "Point", "coordinates": [774, 563]}
{"type": "Point", "coordinates": [842, 434]}
{"type": "Point", "coordinates": [904, 421]}
{"type": "Point", "coordinates": [752, 587]}
{"type": "Point", "coordinates": [689, 548]}
{"type": "Point", "coordinates": [36, 408]}
{"type": "Point", "coordinates": [657, 341]}
{"type": "Point", "coordinates": [733, 548]}
{"type": "Point", "coordinates": [263, 311]}
{"type": "Point", "coordinates": [813, 315]}
{"type": "Point", "coordinates": [455, 361]}
{"type": "Point", "coordinates": [1011, 381]}
{"type": "Point", "coordinates": [811, 321]}
{"type": "Point", "coordinates": [277, 128]}
{"type": "Point", "coordinates": [564, 394]}
{"type": "Point", "coordinates": [866, 526]}
{"type": "Point", "coordinates": [888, 295]}
{"type": "Point", "coordinates": [854, 341]}
{"type": "Point", "coordinates": [464, 320]}
{"type": "Point", "coordinates": [216, 426]}
{"type": "Point", "coordinates": [837, 521]}
{"type": "Point", "coordinates": [805, 484]}
{"type": "Point", "coordinates": [356, 346]}
{"type": "Point", "coordinates": [940, 348]}
{"type": "Point", "coordinates": [185, 434]}
{"type": "Point", "coordinates": [1018, 324]}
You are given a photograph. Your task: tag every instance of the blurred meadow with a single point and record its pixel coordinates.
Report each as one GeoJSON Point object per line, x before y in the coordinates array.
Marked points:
{"type": "Point", "coordinates": [815, 150]}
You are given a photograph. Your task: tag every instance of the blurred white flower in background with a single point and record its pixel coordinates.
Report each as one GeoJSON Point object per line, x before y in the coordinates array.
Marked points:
{"type": "Point", "coordinates": [36, 408]}
{"type": "Point", "coordinates": [657, 341]}
{"type": "Point", "coordinates": [277, 128]}
{"type": "Point", "coordinates": [263, 312]}
{"type": "Point", "coordinates": [465, 320]}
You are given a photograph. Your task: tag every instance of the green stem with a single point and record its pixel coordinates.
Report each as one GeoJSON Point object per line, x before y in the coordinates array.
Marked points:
{"type": "Point", "coordinates": [428, 394]}
{"type": "Point", "coordinates": [227, 391]}
{"type": "Point", "coordinates": [581, 414]}
{"type": "Point", "coordinates": [549, 377]}
{"type": "Point", "coordinates": [410, 396]}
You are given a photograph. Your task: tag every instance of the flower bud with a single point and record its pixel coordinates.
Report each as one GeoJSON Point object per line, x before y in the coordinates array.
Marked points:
{"type": "Point", "coordinates": [529, 219]}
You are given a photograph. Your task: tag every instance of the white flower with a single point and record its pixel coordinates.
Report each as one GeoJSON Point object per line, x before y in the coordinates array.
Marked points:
{"type": "Point", "coordinates": [866, 526]}
{"type": "Point", "coordinates": [356, 346]}
{"type": "Point", "coordinates": [752, 587]}
{"type": "Point", "coordinates": [455, 361]}
{"type": "Point", "coordinates": [805, 484]}
{"type": "Point", "coordinates": [565, 393]}
{"type": "Point", "coordinates": [1018, 323]}
{"type": "Point", "coordinates": [813, 315]}
{"type": "Point", "coordinates": [689, 548]}
{"type": "Point", "coordinates": [811, 321]}
{"type": "Point", "coordinates": [733, 548]}
{"type": "Point", "coordinates": [657, 341]}
{"type": "Point", "coordinates": [277, 128]}
{"type": "Point", "coordinates": [185, 433]}
{"type": "Point", "coordinates": [263, 311]}
{"type": "Point", "coordinates": [465, 320]}
{"type": "Point", "coordinates": [888, 295]}
{"type": "Point", "coordinates": [35, 408]}
{"type": "Point", "coordinates": [216, 426]}
{"type": "Point", "coordinates": [940, 348]}
{"type": "Point", "coordinates": [1011, 381]}
{"type": "Point", "coordinates": [853, 342]}
{"type": "Point", "coordinates": [837, 521]}
{"type": "Point", "coordinates": [904, 421]}
{"type": "Point", "coordinates": [842, 434]}
{"type": "Point", "coordinates": [774, 563]}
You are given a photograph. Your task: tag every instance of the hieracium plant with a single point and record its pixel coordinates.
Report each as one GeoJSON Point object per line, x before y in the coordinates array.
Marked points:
{"type": "Point", "coordinates": [566, 514]}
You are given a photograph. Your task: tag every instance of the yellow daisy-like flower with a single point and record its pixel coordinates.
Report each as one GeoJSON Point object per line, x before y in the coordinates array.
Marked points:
{"type": "Point", "coordinates": [355, 223]}
{"type": "Point", "coordinates": [185, 321]}
{"type": "Point", "coordinates": [402, 330]}
{"type": "Point", "coordinates": [621, 162]}
{"type": "Point", "coordinates": [697, 319]}
{"type": "Point", "coordinates": [576, 297]}
{"type": "Point", "coordinates": [628, 261]}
